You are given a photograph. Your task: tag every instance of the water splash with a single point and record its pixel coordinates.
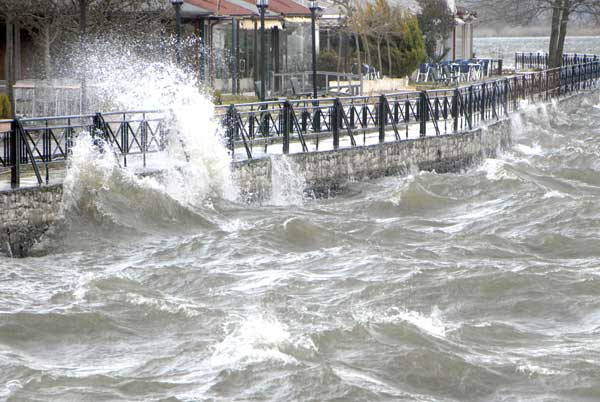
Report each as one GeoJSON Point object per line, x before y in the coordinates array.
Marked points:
{"type": "Point", "coordinates": [287, 182]}
{"type": "Point", "coordinates": [257, 338]}
{"type": "Point", "coordinates": [195, 164]}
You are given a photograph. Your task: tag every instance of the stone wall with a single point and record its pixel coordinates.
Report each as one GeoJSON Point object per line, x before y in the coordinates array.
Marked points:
{"type": "Point", "coordinates": [328, 171]}
{"type": "Point", "coordinates": [26, 214]}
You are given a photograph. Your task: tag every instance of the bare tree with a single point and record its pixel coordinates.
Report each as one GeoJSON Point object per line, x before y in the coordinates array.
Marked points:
{"type": "Point", "coordinates": [526, 11]}
{"type": "Point", "coordinates": [10, 11]}
{"type": "Point", "coordinates": [347, 9]}
{"type": "Point", "coordinates": [45, 21]}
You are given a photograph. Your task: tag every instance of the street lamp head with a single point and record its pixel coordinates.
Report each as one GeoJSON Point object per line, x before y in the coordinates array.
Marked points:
{"type": "Point", "coordinates": [177, 2]}
{"type": "Point", "coordinates": [262, 3]}
{"type": "Point", "coordinates": [313, 5]}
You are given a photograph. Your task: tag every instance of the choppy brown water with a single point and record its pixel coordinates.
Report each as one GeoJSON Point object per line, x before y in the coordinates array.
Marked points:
{"type": "Point", "coordinates": [479, 286]}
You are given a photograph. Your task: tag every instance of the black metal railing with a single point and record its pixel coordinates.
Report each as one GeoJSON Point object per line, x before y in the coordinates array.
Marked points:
{"type": "Point", "coordinates": [255, 127]}
{"type": "Point", "coordinates": [41, 142]}
{"type": "Point", "coordinates": [299, 125]}
{"type": "Point", "coordinates": [539, 60]}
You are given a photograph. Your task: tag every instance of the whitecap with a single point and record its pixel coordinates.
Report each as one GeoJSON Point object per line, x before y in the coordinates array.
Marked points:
{"type": "Point", "coordinates": [257, 338]}
{"type": "Point", "coordinates": [494, 169]}
{"type": "Point", "coordinates": [532, 369]}
{"type": "Point", "coordinates": [431, 324]}
{"type": "Point", "coordinates": [554, 194]}
{"type": "Point", "coordinates": [533, 150]}
{"type": "Point", "coordinates": [169, 305]}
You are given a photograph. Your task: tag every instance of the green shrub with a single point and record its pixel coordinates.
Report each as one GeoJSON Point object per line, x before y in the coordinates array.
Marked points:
{"type": "Point", "coordinates": [217, 97]}
{"type": "Point", "coordinates": [328, 60]}
{"type": "Point", "coordinates": [5, 109]}
{"type": "Point", "coordinates": [409, 49]}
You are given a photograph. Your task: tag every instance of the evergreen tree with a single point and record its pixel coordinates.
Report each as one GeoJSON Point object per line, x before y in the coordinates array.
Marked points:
{"type": "Point", "coordinates": [436, 20]}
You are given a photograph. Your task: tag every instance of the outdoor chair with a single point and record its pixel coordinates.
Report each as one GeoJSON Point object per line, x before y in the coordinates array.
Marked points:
{"type": "Point", "coordinates": [296, 90]}
{"type": "Point", "coordinates": [464, 70]}
{"type": "Point", "coordinates": [424, 70]}
{"type": "Point", "coordinates": [257, 89]}
{"type": "Point", "coordinates": [449, 74]}
{"type": "Point", "coordinates": [437, 76]}
{"type": "Point", "coordinates": [475, 71]}
{"type": "Point", "coordinates": [485, 66]}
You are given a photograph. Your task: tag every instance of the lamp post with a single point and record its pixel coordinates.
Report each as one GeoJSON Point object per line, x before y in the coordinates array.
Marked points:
{"type": "Point", "coordinates": [314, 7]}
{"type": "Point", "coordinates": [262, 6]}
{"type": "Point", "coordinates": [177, 4]}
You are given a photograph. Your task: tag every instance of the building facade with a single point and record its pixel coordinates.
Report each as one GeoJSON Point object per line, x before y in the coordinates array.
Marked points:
{"type": "Point", "coordinates": [229, 55]}
{"type": "Point", "coordinates": [460, 41]}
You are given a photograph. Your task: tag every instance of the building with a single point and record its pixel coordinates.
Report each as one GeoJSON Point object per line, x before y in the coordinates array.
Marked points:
{"type": "Point", "coordinates": [23, 53]}
{"type": "Point", "coordinates": [460, 42]}
{"type": "Point", "coordinates": [230, 33]}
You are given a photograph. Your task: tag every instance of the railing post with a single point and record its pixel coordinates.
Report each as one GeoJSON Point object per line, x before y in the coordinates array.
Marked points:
{"type": "Point", "coordinates": [230, 130]}
{"type": "Point", "coordinates": [455, 110]}
{"type": "Point", "coordinates": [335, 119]}
{"type": "Point", "coordinates": [470, 108]}
{"type": "Point", "coordinates": [15, 155]}
{"type": "Point", "coordinates": [423, 113]}
{"type": "Point", "coordinates": [287, 109]}
{"type": "Point", "coordinates": [97, 120]}
{"type": "Point", "coordinates": [505, 97]}
{"type": "Point", "coordinates": [514, 94]}
{"type": "Point", "coordinates": [482, 104]}
{"type": "Point", "coordinates": [547, 85]}
{"type": "Point", "coordinates": [144, 132]}
{"type": "Point", "coordinates": [264, 121]}
{"type": "Point", "coordinates": [382, 114]}
{"type": "Point", "coordinates": [125, 139]}
{"type": "Point", "coordinates": [500, 67]}
{"type": "Point", "coordinates": [316, 117]}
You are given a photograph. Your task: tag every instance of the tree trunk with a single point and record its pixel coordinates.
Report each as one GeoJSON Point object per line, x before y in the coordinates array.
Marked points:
{"type": "Point", "coordinates": [379, 55]}
{"type": "Point", "coordinates": [340, 44]}
{"type": "Point", "coordinates": [367, 49]}
{"type": "Point", "coordinates": [389, 52]}
{"type": "Point", "coordinates": [358, 60]}
{"type": "Point", "coordinates": [563, 32]}
{"type": "Point", "coordinates": [10, 64]}
{"type": "Point", "coordinates": [47, 59]}
{"type": "Point", "coordinates": [556, 15]}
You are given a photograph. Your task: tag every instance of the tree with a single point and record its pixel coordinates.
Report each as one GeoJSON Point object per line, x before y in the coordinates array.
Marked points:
{"type": "Point", "coordinates": [55, 25]}
{"type": "Point", "coordinates": [525, 11]}
{"type": "Point", "coordinates": [10, 11]}
{"type": "Point", "coordinates": [45, 22]}
{"type": "Point", "coordinates": [410, 48]}
{"type": "Point", "coordinates": [382, 21]}
{"type": "Point", "coordinates": [436, 20]}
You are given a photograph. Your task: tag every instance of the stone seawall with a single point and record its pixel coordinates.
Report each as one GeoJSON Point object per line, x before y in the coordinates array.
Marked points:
{"type": "Point", "coordinates": [26, 214]}
{"type": "Point", "coordinates": [328, 171]}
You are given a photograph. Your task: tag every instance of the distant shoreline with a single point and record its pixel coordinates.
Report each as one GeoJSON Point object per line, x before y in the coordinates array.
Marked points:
{"type": "Point", "coordinates": [529, 36]}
